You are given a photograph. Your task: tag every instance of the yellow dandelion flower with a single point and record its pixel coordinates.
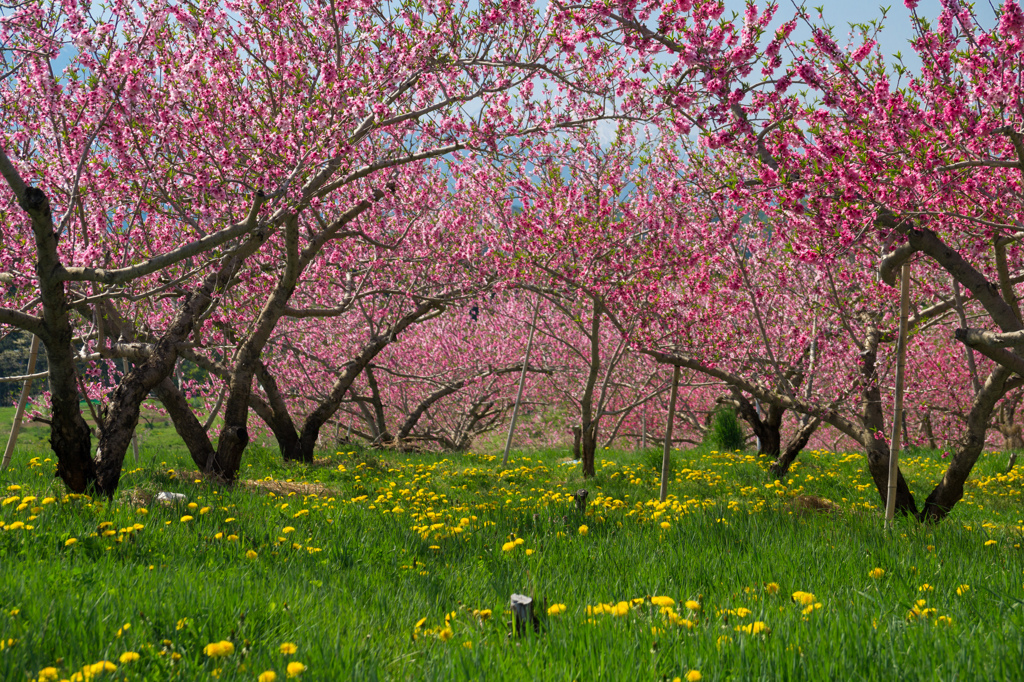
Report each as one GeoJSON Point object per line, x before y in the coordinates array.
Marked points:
{"type": "Point", "coordinates": [772, 588]}
{"type": "Point", "coordinates": [692, 605]}
{"type": "Point", "coordinates": [219, 649]}
{"type": "Point", "coordinates": [288, 648]}
{"type": "Point", "coordinates": [663, 601]}
{"type": "Point", "coordinates": [101, 667]}
{"type": "Point", "coordinates": [755, 628]}
{"type": "Point", "coordinates": [295, 669]}
{"type": "Point", "coordinates": [694, 676]}
{"type": "Point", "coordinates": [876, 573]}
{"type": "Point", "coordinates": [129, 656]}
{"type": "Point", "coordinates": [583, 530]}
{"type": "Point", "coordinates": [804, 598]}
{"type": "Point", "coordinates": [556, 609]}
{"type": "Point", "coordinates": [267, 676]}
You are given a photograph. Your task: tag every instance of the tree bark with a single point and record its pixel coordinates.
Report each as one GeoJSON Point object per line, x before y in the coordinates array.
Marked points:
{"type": "Point", "coordinates": [588, 421]}
{"type": "Point", "coordinates": [588, 451]}
{"type": "Point", "coordinates": [926, 428]}
{"type": "Point", "coordinates": [187, 426]}
{"type": "Point", "coordinates": [950, 490]}
{"type": "Point", "coordinates": [780, 467]}
{"type": "Point", "coordinates": [149, 372]}
{"type": "Point", "coordinates": [383, 436]}
{"type": "Point", "coordinates": [768, 430]}
{"type": "Point", "coordinates": [274, 412]}
{"type": "Point", "coordinates": [126, 401]}
{"type": "Point", "coordinates": [872, 420]}
{"type": "Point", "coordinates": [70, 436]}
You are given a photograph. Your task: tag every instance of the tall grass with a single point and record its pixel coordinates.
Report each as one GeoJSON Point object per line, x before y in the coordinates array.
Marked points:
{"type": "Point", "coordinates": [352, 553]}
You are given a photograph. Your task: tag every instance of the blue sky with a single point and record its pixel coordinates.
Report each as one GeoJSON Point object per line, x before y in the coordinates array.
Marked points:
{"type": "Point", "coordinates": [897, 31]}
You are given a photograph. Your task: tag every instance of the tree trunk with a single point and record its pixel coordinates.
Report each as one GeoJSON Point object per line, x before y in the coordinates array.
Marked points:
{"type": "Point", "coordinates": [872, 420]}
{"type": "Point", "coordinates": [326, 409]}
{"type": "Point", "coordinates": [70, 436]}
{"type": "Point", "coordinates": [275, 413]}
{"type": "Point", "coordinates": [379, 418]}
{"type": "Point", "coordinates": [926, 428]}
{"type": "Point", "coordinates": [588, 423]}
{"type": "Point", "coordinates": [780, 467]}
{"type": "Point", "coordinates": [588, 444]}
{"type": "Point", "coordinates": [950, 490]}
{"type": "Point", "coordinates": [126, 401]}
{"type": "Point", "coordinates": [878, 467]}
{"type": "Point", "coordinates": [187, 426]}
{"type": "Point", "coordinates": [768, 430]}
{"type": "Point", "coordinates": [577, 437]}
{"type": "Point", "coordinates": [235, 434]}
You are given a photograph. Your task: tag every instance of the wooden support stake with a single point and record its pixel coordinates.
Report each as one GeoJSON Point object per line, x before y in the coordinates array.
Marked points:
{"type": "Point", "coordinates": [897, 418]}
{"type": "Point", "coordinates": [20, 412]}
{"type": "Point", "coordinates": [522, 614]}
{"type": "Point", "coordinates": [522, 380]}
{"type": "Point", "coordinates": [666, 461]}
{"type": "Point", "coordinates": [135, 437]}
{"type": "Point", "coordinates": [580, 496]}
{"type": "Point", "coordinates": [643, 429]}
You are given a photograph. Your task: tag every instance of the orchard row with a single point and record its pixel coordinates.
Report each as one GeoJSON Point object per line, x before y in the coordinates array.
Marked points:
{"type": "Point", "coordinates": [352, 216]}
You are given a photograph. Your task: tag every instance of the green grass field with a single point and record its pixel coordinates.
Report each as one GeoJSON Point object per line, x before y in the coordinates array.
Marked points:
{"type": "Point", "coordinates": [380, 565]}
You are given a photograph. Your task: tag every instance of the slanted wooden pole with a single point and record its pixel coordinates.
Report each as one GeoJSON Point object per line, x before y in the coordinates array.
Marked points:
{"type": "Point", "coordinates": [643, 429]}
{"type": "Point", "coordinates": [897, 418]}
{"type": "Point", "coordinates": [666, 461]}
{"type": "Point", "coordinates": [26, 388]}
{"type": "Point", "coordinates": [522, 381]}
{"type": "Point", "coordinates": [135, 437]}
{"type": "Point", "coordinates": [757, 411]}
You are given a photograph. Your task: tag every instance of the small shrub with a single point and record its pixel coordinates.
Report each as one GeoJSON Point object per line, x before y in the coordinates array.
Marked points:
{"type": "Point", "coordinates": [725, 432]}
{"type": "Point", "coordinates": [653, 458]}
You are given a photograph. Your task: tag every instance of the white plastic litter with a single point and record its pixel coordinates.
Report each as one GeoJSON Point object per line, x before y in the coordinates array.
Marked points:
{"type": "Point", "coordinates": [170, 498]}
